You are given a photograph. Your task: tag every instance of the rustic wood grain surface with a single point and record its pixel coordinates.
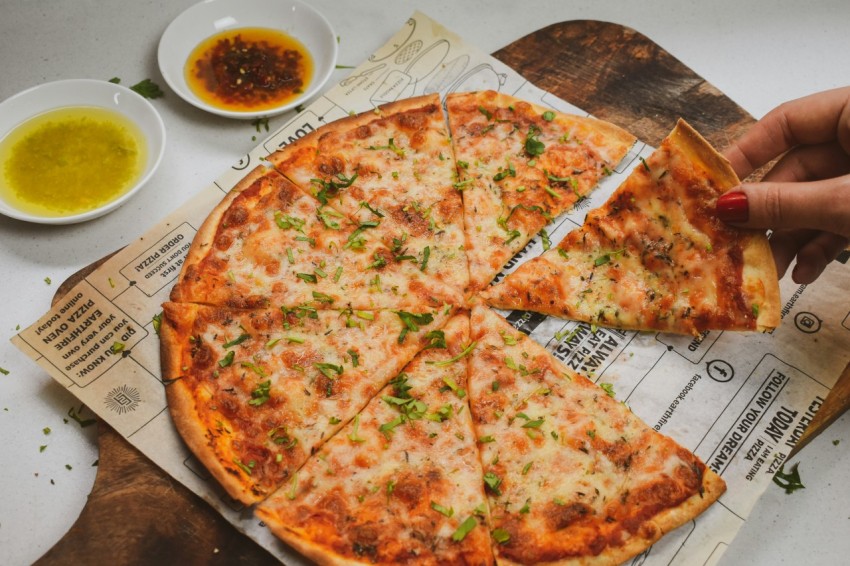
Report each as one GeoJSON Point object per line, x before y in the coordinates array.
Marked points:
{"type": "Point", "coordinates": [136, 513]}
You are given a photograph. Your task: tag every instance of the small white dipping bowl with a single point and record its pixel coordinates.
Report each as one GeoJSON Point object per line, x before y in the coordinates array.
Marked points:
{"type": "Point", "coordinates": [21, 107]}
{"type": "Point", "coordinates": [210, 17]}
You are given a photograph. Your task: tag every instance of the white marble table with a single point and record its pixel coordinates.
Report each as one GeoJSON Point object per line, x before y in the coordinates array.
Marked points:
{"type": "Point", "coordinates": [759, 54]}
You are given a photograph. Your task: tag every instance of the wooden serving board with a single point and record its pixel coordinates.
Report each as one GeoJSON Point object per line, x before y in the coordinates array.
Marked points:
{"type": "Point", "coordinates": [136, 513]}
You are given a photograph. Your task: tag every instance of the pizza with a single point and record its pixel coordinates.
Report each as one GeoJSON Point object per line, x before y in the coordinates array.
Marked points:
{"type": "Point", "coordinates": [329, 356]}
{"type": "Point", "coordinates": [396, 166]}
{"type": "Point", "coordinates": [655, 256]}
{"type": "Point", "coordinates": [402, 483]}
{"type": "Point", "coordinates": [520, 166]}
{"type": "Point", "coordinates": [254, 392]}
{"type": "Point", "coordinates": [572, 475]}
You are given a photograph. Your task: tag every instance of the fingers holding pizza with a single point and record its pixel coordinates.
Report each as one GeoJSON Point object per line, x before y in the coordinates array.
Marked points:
{"type": "Point", "coordinates": [805, 197]}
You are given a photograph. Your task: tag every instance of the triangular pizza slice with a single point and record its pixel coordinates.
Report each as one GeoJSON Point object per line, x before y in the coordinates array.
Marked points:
{"type": "Point", "coordinates": [393, 167]}
{"type": "Point", "coordinates": [572, 475]}
{"type": "Point", "coordinates": [519, 166]}
{"type": "Point", "coordinates": [655, 256]}
{"type": "Point", "coordinates": [401, 483]}
{"type": "Point", "coordinates": [268, 243]}
{"type": "Point", "coordinates": [255, 392]}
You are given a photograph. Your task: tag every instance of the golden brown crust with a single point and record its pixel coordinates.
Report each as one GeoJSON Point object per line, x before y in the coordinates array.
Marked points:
{"type": "Point", "coordinates": [206, 233]}
{"type": "Point", "coordinates": [663, 523]}
{"type": "Point", "coordinates": [689, 141]}
{"type": "Point", "coordinates": [761, 280]}
{"type": "Point", "coordinates": [760, 277]}
{"type": "Point", "coordinates": [174, 333]}
{"type": "Point", "coordinates": [303, 544]}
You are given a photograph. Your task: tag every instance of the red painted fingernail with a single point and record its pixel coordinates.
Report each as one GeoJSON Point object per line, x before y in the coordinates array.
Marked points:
{"type": "Point", "coordinates": [733, 207]}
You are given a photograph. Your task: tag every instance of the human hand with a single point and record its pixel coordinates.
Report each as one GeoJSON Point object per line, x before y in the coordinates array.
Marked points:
{"type": "Point", "coordinates": [805, 197]}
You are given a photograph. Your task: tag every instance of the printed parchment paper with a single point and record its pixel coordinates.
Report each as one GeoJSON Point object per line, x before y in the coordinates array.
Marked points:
{"type": "Point", "coordinates": [739, 401]}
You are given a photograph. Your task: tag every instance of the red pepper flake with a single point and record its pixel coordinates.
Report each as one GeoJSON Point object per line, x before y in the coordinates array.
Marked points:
{"type": "Point", "coordinates": [249, 69]}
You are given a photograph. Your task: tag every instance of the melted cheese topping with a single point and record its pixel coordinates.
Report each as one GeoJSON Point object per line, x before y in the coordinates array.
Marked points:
{"type": "Point", "coordinates": [395, 485]}
{"type": "Point", "coordinates": [520, 166]}
{"type": "Point", "coordinates": [271, 387]}
{"type": "Point", "coordinates": [653, 257]}
{"type": "Point", "coordinates": [405, 170]}
{"type": "Point", "coordinates": [570, 471]}
{"type": "Point", "coordinates": [277, 245]}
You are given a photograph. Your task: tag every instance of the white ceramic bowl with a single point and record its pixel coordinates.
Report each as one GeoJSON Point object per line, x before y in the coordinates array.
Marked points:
{"type": "Point", "coordinates": [215, 16]}
{"type": "Point", "coordinates": [85, 92]}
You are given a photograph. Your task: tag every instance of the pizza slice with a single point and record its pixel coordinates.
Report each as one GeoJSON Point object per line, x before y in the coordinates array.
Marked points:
{"type": "Point", "coordinates": [655, 256]}
{"type": "Point", "coordinates": [268, 243]}
{"type": "Point", "coordinates": [393, 165]}
{"type": "Point", "coordinates": [254, 392]}
{"type": "Point", "coordinates": [519, 166]}
{"type": "Point", "coordinates": [401, 483]}
{"type": "Point", "coordinates": [572, 475]}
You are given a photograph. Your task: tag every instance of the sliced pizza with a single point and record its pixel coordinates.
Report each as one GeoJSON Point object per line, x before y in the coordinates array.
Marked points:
{"type": "Point", "coordinates": [254, 392]}
{"type": "Point", "coordinates": [519, 166]}
{"type": "Point", "coordinates": [401, 483]}
{"type": "Point", "coordinates": [268, 244]}
{"type": "Point", "coordinates": [391, 169]}
{"type": "Point", "coordinates": [655, 256]}
{"type": "Point", "coordinates": [572, 475]}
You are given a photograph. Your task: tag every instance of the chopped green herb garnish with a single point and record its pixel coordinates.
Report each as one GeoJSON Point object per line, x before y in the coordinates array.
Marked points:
{"type": "Point", "coordinates": [464, 353]}
{"type": "Point", "coordinates": [308, 277]}
{"type": "Point", "coordinates": [451, 384]}
{"type": "Point", "coordinates": [322, 298]}
{"type": "Point", "coordinates": [354, 436]}
{"type": "Point", "coordinates": [293, 487]}
{"type": "Point", "coordinates": [492, 481]}
{"type": "Point", "coordinates": [75, 415]}
{"type": "Point", "coordinates": [261, 393]}
{"type": "Point", "coordinates": [608, 388]}
{"type": "Point", "coordinates": [436, 339]}
{"type": "Point", "coordinates": [330, 188]}
{"type": "Point", "coordinates": [236, 341]}
{"type": "Point", "coordinates": [146, 88]}
{"type": "Point", "coordinates": [355, 358]}
{"type": "Point", "coordinates": [642, 160]}
{"type": "Point", "coordinates": [391, 146]}
{"type": "Point", "coordinates": [156, 320]}
{"type": "Point", "coordinates": [330, 371]}
{"type": "Point", "coordinates": [533, 146]}
{"type": "Point", "coordinates": [464, 529]}
{"type": "Point", "coordinates": [227, 359]}
{"type": "Point", "coordinates": [544, 235]}
{"type": "Point", "coordinates": [790, 481]}
{"type": "Point", "coordinates": [501, 536]}
{"type": "Point", "coordinates": [426, 253]}
{"type": "Point", "coordinates": [447, 511]}
{"type": "Point", "coordinates": [245, 468]}
{"type": "Point", "coordinates": [533, 424]}
{"type": "Point", "coordinates": [375, 211]}
{"type": "Point", "coordinates": [411, 322]}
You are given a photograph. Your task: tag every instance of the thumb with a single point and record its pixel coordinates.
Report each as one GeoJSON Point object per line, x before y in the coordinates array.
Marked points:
{"type": "Point", "coordinates": [819, 205]}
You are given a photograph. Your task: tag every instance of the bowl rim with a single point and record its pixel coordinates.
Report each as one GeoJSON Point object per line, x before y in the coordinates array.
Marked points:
{"type": "Point", "coordinates": [56, 90]}
{"type": "Point", "coordinates": [200, 9]}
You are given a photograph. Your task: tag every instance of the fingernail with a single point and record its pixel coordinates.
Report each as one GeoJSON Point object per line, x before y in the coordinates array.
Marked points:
{"type": "Point", "coordinates": [733, 207]}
